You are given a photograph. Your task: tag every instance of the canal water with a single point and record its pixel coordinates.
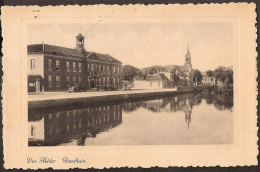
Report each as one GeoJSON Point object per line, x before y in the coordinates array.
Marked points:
{"type": "Point", "coordinates": [186, 119]}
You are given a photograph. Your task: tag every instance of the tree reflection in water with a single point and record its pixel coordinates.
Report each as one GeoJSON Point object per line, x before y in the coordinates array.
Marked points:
{"type": "Point", "coordinates": [55, 127]}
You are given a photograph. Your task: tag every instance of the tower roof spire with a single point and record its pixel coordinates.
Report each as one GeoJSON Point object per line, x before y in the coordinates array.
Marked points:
{"type": "Point", "coordinates": [188, 51]}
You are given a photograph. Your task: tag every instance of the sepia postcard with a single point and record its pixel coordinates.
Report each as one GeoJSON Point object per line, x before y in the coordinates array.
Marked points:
{"type": "Point", "coordinates": [129, 86]}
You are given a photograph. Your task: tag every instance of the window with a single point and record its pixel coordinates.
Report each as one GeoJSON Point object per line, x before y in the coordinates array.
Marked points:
{"type": "Point", "coordinates": [104, 69]}
{"type": "Point", "coordinates": [50, 81]}
{"type": "Point", "coordinates": [107, 80]}
{"type": "Point", "coordinates": [118, 70]}
{"type": "Point", "coordinates": [88, 67]}
{"type": "Point", "coordinates": [68, 66]}
{"type": "Point", "coordinates": [57, 81]}
{"type": "Point", "coordinates": [49, 64]}
{"type": "Point", "coordinates": [68, 81]}
{"type": "Point", "coordinates": [74, 67]}
{"type": "Point", "coordinates": [108, 69]}
{"type": "Point", "coordinates": [99, 68]}
{"type": "Point", "coordinates": [32, 64]}
{"type": "Point", "coordinates": [74, 81]}
{"type": "Point", "coordinates": [80, 67]}
{"type": "Point", "coordinates": [57, 65]}
{"type": "Point", "coordinates": [80, 80]}
{"type": "Point", "coordinates": [92, 68]}
{"type": "Point", "coordinates": [104, 81]}
{"type": "Point", "coordinates": [159, 84]}
{"type": "Point", "coordinates": [114, 79]}
{"type": "Point", "coordinates": [118, 81]}
{"type": "Point", "coordinates": [114, 69]}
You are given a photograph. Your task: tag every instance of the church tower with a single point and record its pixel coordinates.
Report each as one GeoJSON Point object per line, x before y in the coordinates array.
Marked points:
{"type": "Point", "coordinates": [80, 43]}
{"type": "Point", "coordinates": [187, 58]}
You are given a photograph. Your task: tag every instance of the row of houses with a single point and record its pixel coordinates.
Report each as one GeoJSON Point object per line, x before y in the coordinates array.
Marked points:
{"type": "Point", "coordinates": [56, 68]}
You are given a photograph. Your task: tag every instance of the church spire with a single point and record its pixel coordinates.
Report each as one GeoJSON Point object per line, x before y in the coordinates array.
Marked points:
{"type": "Point", "coordinates": [187, 57]}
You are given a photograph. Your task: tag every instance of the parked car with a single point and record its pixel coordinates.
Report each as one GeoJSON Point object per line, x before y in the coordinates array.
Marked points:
{"type": "Point", "coordinates": [73, 89]}
{"type": "Point", "coordinates": [127, 85]}
{"type": "Point", "coordinates": [77, 89]}
{"type": "Point", "coordinates": [111, 88]}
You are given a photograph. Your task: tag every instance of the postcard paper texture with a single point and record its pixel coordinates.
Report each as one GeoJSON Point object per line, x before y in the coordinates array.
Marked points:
{"type": "Point", "coordinates": [115, 86]}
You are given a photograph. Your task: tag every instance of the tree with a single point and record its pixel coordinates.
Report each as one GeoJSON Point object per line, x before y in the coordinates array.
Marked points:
{"type": "Point", "coordinates": [210, 73]}
{"type": "Point", "coordinates": [224, 74]}
{"type": "Point", "coordinates": [218, 74]}
{"type": "Point", "coordinates": [130, 72]}
{"type": "Point", "coordinates": [198, 75]}
{"type": "Point", "coordinates": [152, 70]}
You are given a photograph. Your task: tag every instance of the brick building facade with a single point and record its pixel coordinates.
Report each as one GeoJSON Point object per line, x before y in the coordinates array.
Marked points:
{"type": "Point", "coordinates": [55, 68]}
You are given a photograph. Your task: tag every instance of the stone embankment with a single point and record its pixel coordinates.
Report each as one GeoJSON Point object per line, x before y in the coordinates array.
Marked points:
{"type": "Point", "coordinates": [54, 99]}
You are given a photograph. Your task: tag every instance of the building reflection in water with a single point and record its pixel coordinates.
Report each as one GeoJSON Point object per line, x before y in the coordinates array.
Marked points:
{"type": "Point", "coordinates": [64, 126]}
{"type": "Point", "coordinates": [182, 102]}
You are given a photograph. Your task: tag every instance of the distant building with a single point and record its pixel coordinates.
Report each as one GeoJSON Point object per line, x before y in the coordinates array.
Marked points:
{"type": "Point", "coordinates": [208, 80]}
{"type": "Point", "coordinates": [55, 68]}
{"type": "Point", "coordinates": [157, 80]}
{"type": "Point", "coordinates": [219, 83]}
{"type": "Point", "coordinates": [185, 72]}
{"type": "Point", "coordinates": [178, 76]}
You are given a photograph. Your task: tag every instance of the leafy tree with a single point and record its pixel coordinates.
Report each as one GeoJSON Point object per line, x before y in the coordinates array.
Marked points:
{"type": "Point", "coordinates": [130, 72]}
{"type": "Point", "coordinates": [224, 74]}
{"type": "Point", "coordinates": [210, 73]}
{"type": "Point", "coordinates": [197, 74]}
{"type": "Point", "coordinates": [152, 70]}
{"type": "Point", "coordinates": [218, 74]}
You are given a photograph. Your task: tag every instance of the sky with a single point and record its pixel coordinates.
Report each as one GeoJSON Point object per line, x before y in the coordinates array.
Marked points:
{"type": "Point", "coordinates": [146, 44]}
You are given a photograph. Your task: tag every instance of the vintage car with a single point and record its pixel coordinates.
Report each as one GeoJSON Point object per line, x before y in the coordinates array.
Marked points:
{"type": "Point", "coordinates": [77, 89]}
{"type": "Point", "coordinates": [127, 85]}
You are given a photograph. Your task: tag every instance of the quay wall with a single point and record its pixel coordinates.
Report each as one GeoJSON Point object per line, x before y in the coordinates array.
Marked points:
{"type": "Point", "coordinates": [81, 101]}
{"type": "Point", "coordinates": [95, 99]}
{"type": "Point", "coordinates": [186, 89]}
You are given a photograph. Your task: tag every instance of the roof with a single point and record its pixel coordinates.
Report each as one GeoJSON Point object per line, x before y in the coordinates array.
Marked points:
{"type": "Point", "coordinates": [102, 57]}
{"type": "Point", "coordinates": [57, 50]}
{"type": "Point", "coordinates": [52, 49]}
{"type": "Point", "coordinates": [157, 77]}
{"type": "Point", "coordinates": [79, 36]}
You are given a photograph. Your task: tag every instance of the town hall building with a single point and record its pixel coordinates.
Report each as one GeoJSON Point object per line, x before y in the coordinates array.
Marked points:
{"type": "Point", "coordinates": [55, 68]}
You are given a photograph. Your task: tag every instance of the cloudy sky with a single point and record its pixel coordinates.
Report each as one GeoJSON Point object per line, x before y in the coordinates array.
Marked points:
{"type": "Point", "coordinates": [146, 44]}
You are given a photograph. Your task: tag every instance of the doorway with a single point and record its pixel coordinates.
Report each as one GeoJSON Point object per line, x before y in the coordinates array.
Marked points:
{"type": "Point", "coordinates": [92, 84]}
{"type": "Point", "coordinates": [37, 86]}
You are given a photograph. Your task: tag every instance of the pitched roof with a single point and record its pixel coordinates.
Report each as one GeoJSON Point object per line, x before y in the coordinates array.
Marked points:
{"type": "Point", "coordinates": [57, 50]}
{"type": "Point", "coordinates": [102, 57]}
{"type": "Point", "coordinates": [52, 49]}
{"type": "Point", "coordinates": [157, 77]}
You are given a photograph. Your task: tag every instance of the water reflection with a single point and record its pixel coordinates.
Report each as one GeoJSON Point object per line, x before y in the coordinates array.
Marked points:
{"type": "Point", "coordinates": [64, 126]}
{"type": "Point", "coordinates": [56, 127]}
